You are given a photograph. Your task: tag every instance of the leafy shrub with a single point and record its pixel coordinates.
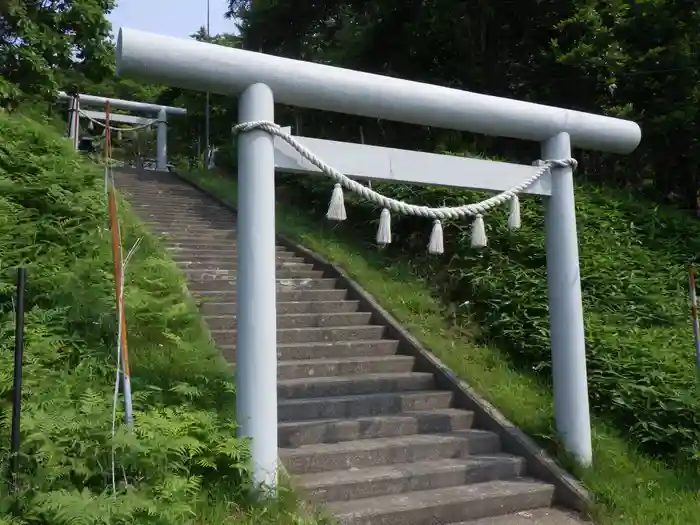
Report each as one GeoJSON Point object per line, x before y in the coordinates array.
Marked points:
{"type": "Point", "coordinates": [183, 449]}
{"type": "Point", "coordinates": [634, 258]}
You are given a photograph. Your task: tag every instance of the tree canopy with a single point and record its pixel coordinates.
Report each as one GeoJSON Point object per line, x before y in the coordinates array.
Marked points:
{"type": "Point", "coordinates": [637, 60]}
{"type": "Point", "coordinates": [46, 45]}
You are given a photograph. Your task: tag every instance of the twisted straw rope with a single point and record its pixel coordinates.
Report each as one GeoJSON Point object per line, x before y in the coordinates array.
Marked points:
{"type": "Point", "coordinates": [394, 205]}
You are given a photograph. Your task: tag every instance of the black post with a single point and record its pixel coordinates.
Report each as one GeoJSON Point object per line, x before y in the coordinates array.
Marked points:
{"type": "Point", "coordinates": [17, 380]}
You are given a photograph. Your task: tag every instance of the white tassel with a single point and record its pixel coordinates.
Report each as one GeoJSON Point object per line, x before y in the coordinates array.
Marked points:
{"type": "Point", "coordinates": [91, 126]}
{"type": "Point", "coordinates": [514, 216]}
{"type": "Point", "coordinates": [336, 208]}
{"type": "Point", "coordinates": [478, 232]}
{"type": "Point", "coordinates": [435, 245]}
{"type": "Point", "coordinates": [384, 230]}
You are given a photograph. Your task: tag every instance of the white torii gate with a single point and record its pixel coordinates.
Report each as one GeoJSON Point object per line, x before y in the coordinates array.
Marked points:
{"type": "Point", "coordinates": [261, 80]}
{"type": "Point", "coordinates": [116, 103]}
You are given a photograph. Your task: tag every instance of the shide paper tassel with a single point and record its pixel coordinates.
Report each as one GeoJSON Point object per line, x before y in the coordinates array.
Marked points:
{"type": "Point", "coordinates": [336, 208]}
{"type": "Point", "coordinates": [384, 230]}
{"type": "Point", "coordinates": [478, 232]}
{"type": "Point", "coordinates": [514, 216]}
{"type": "Point", "coordinates": [435, 245]}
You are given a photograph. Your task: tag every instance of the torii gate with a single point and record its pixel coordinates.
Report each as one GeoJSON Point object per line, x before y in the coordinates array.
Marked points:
{"type": "Point", "coordinates": [116, 103]}
{"type": "Point", "coordinates": [261, 80]}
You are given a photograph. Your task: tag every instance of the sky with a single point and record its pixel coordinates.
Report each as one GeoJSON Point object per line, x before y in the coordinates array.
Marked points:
{"type": "Point", "coordinates": [179, 18]}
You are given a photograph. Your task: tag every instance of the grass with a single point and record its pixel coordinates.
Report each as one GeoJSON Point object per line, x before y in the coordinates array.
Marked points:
{"type": "Point", "coordinates": [182, 464]}
{"type": "Point", "coordinates": [630, 487]}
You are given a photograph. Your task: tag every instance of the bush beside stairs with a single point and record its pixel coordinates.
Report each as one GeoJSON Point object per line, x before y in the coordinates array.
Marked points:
{"type": "Point", "coordinates": [360, 430]}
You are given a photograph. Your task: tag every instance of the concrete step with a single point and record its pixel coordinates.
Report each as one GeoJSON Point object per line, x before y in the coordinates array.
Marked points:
{"type": "Point", "coordinates": [310, 335]}
{"type": "Point", "coordinates": [189, 218]}
{"type": "Point", "coordinates": [185, 223]}
{"type": "Point", "coordinates": [346, 485]}
{"type": "Point", "coordinates": [344, 407]}
{"type": "Point", "coordinates": [298, 433]}
{"type": "Point", "coordinates": [188, 221]}
{"type": "Point", "coordinates": [226, 282]}
{"type": "Point", "coordinates": [362, 453]}
{"type": "Point", "coordinates": [305, 387]}
{"type": "Point", "coordinates": [335, 350]}
{"type": "Point", "coordinates": [223, 257]}
{"type": "Point", "coordinates": [222, 322]}
{"type": "Point", "coordinates": [164, 201]}
{"type": "Point", "coordinates": [543, 516]}
{"type": "Point", "coordinates": [286, 308]}
{"type": "Point", "coordinates": [231, 264]}
{"type": "Point", "coordinates": [216, 247]}
{"type": "Point", "coordinates": [445, 505]}
{"type": "Point", "coordinates": [283, 272]}
{"type": "Point", "coordinates": [345, 366]}
{"type": "Point", "coordinates": [176, 232]}
{"type": "Point", "coordinates": [283, 296]}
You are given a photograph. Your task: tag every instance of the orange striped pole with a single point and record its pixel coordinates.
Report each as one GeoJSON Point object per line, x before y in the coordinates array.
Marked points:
{"type": "Point", "coordinates": [118, 273]}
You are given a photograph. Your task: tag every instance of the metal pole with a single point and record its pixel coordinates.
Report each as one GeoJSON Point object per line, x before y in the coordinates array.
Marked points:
{"type": "Point", "coordinates": [256, 335]}
{"type": "Point", "coordinates": [207, 111]}
{"type": "Point", "coordinates": [694, 310]}
{"type": "Point", "coordinates": [17, 379]}
{"type": "Point", "coordinates": [571, 409]}
{"type": "Point", "coordinates": [162, 140]}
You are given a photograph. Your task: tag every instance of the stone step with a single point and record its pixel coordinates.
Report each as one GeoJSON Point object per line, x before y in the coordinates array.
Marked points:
{"type": "Point", "coordinates": [286, 308]}
{"type": "Point", "coordinates": [335, 350]}
{"type": "Point", "coordinates": [346, 485]}
{"type": "Point", "coordinates": [215, 247]}
{"type": "Point", "coordinates": [224, 257]}
{"type": "Point", "coordinates": [283, 296]}
{"type": "Point", "coordinates": [165, 202]}
{"type": "Point", "coordinates": [298, 433]}
{"type": "Point", "coordinates": [310, 335]}
{"type": "Point", "coordinates": [345, 366]}
{"type": "Point", "coordinates": [191, 218]}
{"type": "Point", "coordinates": [445, 505]}
{"type": "Point", "coordinates": [283, 272]}
{"type": "Point", "coordinates": [172, 234]}
{"type": "Point", "coordinates": [188, 213]}
{"type": "Point", "coordinates": [542, 516]}
{"type": "Point", "coordinates": [226, 283]}
{"type": "Point", "coordinates": [361, 405]}
{"type": "Point", "coordinates": [372, 383]}
{"type": "Point", "coordinates": [348, 455]}
{"type": "Point", "coordinates": [231, 264]}
{"type": "Point", "coordinates": [222, 322]}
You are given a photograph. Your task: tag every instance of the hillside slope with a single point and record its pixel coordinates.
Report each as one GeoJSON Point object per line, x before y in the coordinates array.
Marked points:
{"type": "Point", "coordinates": [484, 313]}
{"type": "Point", "coordinates": [182, 464]}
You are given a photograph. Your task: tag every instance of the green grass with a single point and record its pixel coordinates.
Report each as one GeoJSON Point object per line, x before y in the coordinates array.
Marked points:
{"type": "Point", "coordinates": [182, 464]}
{"type": "Point", "coordinates": [630, 487]}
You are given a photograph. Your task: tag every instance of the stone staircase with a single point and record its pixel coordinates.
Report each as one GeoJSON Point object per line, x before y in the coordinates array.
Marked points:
{"type": "Point", "coordinates": [360, 429]}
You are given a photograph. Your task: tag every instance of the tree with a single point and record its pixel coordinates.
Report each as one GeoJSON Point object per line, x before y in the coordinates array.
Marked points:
{"type": "Point", "coordinates": [47, 45]}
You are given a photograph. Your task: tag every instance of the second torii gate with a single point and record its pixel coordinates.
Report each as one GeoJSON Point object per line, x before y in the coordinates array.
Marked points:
{"type": "Point", "coordinates": [143, 107]}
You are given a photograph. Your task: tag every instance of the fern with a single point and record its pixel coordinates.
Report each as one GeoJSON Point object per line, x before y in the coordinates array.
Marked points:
{"type": "Point", "coordinates": [52, 219]}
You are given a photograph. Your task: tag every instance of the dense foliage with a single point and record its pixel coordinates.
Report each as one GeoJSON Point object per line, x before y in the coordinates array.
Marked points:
{"type": "Point", "coordinates": [636, 59]}
{"type": "Point", "coordinates": [47, 46]}
{"type": "Point", "coordinates": [182, 463]}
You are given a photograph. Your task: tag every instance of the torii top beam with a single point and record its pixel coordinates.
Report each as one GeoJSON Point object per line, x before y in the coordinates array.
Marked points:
{"type": "Point", "coordinates": [208, 67]}
{"type": "Point", "coordinates": [118, 103]}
